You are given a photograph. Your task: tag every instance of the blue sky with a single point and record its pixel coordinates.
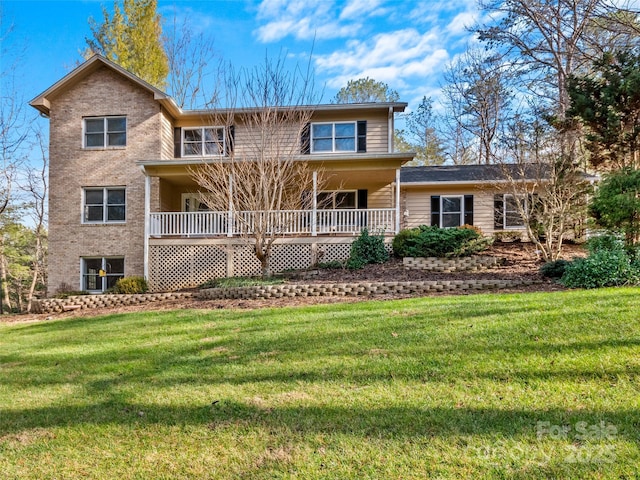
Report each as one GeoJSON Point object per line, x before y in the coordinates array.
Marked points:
{"type": "Point", "coordinates": [405, 44]}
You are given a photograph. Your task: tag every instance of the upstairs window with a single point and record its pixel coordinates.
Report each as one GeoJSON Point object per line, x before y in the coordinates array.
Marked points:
{"type": "Point", "coordinates": [103, 132]}
{"type": "Point", "coordinates": [203, 141]}
{"type": "Point", "coordinates": [104, 205]}
{"type": "Point", "coordinates": [333, 137]}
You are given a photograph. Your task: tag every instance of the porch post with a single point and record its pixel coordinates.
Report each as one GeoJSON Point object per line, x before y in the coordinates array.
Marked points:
{"type": "Point", "coordinates": [230, 211]}
{"type": "Point", "coordinates": [314, 216]}
{"type": "Point", "coordinates": [397, 200]}
{"type": "Point", "coordinates": [147, 215]}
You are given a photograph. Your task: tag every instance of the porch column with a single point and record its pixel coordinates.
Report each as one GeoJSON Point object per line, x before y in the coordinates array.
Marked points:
{"type": "Point", "coordinates": [147, 215]}
{"type": "Point", "coordinates": [230, 211]}
{"type": "Point", "coordinates": [397, 200]}
{"type": "Point", "coordinates": [314, 202]}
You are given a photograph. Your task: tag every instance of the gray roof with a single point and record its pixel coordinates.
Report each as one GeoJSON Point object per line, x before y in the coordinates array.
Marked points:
{"type": "Point", "coordinates": [467, 173]}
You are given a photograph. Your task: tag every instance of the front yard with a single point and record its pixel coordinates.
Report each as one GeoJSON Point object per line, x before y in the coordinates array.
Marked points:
{"type": "Point", "coordinates": [538, 385]}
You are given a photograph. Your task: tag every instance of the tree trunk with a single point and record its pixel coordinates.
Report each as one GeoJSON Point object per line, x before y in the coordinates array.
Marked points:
{"type": "Point", "coordinates": [5, 284]}
{"type": "Point", "coordinates": [36, 272]}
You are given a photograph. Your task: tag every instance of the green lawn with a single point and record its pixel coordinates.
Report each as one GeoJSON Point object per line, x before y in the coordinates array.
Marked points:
{"type": "Point", "coordinates": [483, 386]}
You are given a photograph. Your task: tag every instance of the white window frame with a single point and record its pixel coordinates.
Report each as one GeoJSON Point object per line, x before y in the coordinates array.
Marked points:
{"type": "Point", "coordinates": [504, 212]}
{"type": "Point", "coordinates": [104, 266]}
{"type": "Point", "coordinates": [333, 137]}
{"type": "Point", "coordinates": [203, 142]}
{"type": "Point", "coordinates": [105, 133]}
{"type": "Point", "coordinates": [442, 212]}
{"type": "Point", "coordinates": [105, 205]}
{"type": "Point", "coordinates": [333, 200]}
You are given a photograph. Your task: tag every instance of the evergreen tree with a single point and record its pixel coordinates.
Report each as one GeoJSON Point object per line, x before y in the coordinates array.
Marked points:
{"type": "Point", "coordinates": [366, 90]}
{"type": "Point", "coordinates": [132, 38]}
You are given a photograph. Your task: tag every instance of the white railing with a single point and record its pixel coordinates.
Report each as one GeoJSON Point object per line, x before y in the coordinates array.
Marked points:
{"type": "Point", "coordinates": [286, 222]}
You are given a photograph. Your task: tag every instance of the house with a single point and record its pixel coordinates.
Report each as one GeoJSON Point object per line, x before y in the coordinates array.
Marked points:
{"type": "Point", "coordinates": [122, 201]}
{"type": "Point", "coordinates": [455, 195]}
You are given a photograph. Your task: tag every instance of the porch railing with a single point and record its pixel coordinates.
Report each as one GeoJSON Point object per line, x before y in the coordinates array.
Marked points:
{"type": "Point", "coordinates": [286, 222]}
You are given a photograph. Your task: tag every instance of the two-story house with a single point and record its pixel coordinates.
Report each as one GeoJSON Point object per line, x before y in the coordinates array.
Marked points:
{"type": "Point", "coordinates": [123, 202]}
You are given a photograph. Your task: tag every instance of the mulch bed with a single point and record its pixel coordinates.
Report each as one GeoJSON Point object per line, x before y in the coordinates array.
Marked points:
{"type": "Point", "coordinates": [519, 261]}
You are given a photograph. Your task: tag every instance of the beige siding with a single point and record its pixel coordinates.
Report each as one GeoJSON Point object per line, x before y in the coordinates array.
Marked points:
{"type": "Point", "coordinates": [72, 167]}
{"type": "Point", "coordinates": [416, 204]}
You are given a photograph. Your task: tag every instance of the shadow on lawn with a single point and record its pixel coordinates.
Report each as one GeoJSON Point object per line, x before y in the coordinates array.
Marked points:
{"type": "Point", "coordinates": [382, 422]}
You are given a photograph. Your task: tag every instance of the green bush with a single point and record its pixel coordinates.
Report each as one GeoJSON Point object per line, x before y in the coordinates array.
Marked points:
{"type": "Point", "coordinates": [554, 269]}
{"type": "Point", "coordinates": [608, 243]}
{"type": "Point", "coordinates": [367, 249]}
{"type": "Point", "coordinates": [434, 241]}
{"type": "Point", "coordinates": [129, 285]}
{"type": "Point", "coordinates": [604, 268]}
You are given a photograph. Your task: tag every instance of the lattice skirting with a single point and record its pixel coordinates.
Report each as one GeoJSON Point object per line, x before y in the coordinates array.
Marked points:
{"type": "Point", "coordinates": [174, 266]}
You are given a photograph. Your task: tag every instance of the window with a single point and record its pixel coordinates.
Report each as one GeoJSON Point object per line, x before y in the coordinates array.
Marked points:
{"type": "Point", "coordinates": [104, 205]}
{"type": "Point", "coordinates": [512, 216]}
{"type": "Point", "coordinates": [337, 200]}
{"type": "Point", "coordinates": [333, 137]}
{"type": "Point", "coordinates": [451, 210]}
{"type": "Point", "coordinates": [100, 274]}
{"type": "Point", "coordinates": [101, 132]}
{"type": "Point", "coordinates": [203, 141]}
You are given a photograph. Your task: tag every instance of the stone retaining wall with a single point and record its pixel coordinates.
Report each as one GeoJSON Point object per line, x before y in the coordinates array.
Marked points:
{"type": "Point", "coordinates": [75, 302]}
{"type": "Point", "coordinates": [366, 289]}
{"type": "Point", "coordinates": [448, 265]}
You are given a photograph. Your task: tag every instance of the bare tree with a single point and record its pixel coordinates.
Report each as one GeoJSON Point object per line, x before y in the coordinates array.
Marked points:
{"type": "Point", "coordinates": [548, 191]}
{"type": "Point", "coordinates": [261, 183]}
{"type": "Point", "coordinates": [36, 187]}
{"type": "Point", "coordinates": [477, 95]}
{"type": "Point", "coordinates": [191, 56]}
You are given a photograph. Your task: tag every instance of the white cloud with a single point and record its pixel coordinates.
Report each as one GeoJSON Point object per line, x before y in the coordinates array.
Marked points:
{"type": "Point", "coordinates": [462, 22]}
{"type": "Point", "coordinates": [357, 8]}
{"type": "Point", "coordinates": [388, 57]}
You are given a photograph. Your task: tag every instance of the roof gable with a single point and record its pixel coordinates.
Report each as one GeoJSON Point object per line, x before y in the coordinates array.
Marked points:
{"type": "Point", "coordinates": [42, 102]}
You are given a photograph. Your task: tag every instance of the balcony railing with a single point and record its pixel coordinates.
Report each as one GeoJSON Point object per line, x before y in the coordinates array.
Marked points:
{"type": "Point", "coordinates": [287, 222]}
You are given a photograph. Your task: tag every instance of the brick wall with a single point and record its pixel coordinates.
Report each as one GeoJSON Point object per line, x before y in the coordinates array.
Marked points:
{"type": "Point", "coordinates": [71, 168]}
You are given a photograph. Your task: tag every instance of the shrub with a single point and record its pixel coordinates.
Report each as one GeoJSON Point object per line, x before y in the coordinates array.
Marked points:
{"type": "Point", "coordinates": [130, 285]}
{"type": "Point", "coordinates": [604, 268]}
{"type": "Point", "coordinates": [554, 269]}
{"type": "Point", "coordinates": [608, 243]}
{"type": "Point", "coordinates": [367, 249]}
{"type": "Point", "coordinates": [433, 241]}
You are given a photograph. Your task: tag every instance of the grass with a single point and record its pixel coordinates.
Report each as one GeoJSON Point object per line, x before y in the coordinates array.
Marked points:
{"type": "Point", "coordinates": [541, 385]}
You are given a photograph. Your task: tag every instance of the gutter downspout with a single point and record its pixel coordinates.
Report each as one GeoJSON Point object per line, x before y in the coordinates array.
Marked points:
{"type": "Point", "coordinates": [147, 225]}
{"type": "Point", "coordinates": [391, 130]}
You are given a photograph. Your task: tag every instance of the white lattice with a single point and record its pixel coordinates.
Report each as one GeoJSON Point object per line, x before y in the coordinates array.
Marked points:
{"type": "Point", "coordinates": [172, 267]}
{"type": "Point", "coordinates": [329, 252]}
{"type": "Point", "coordinates": [290, 257]}
{"type": "Point", "coordinates": [245, 263]}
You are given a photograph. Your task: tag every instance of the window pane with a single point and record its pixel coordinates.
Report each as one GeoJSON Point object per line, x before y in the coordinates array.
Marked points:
{"type": "Point", "coordinates": [94, 125]}
{"type": "Point", "coordinates": [213, 134]}
{"type": "Point", "coordinates": [193, 149]}
{"type": "Point", "coordinates": [213, 148]}
{"type": "Point", "coordinates": [115, 197]}
{"type": "Point", "coordinates": [450, 220]}
{"type": "Point", "coordinates": [92, 265]}
{"type": "Point", "coordinates": [345, 144]}
{"type": "Point", "coordinates": [94, 140]}
{"type": "Point", "coordinates": [112, 280]}
{"type": "Point", "coordinates": [117, 139]}
{"type": "Point", "coordinates": [115, 213]}
{"type": "Point", "coordinates": [325, 200]}
{"type": "Point", "coordinates": [322, 145]}
{"type": "Point", "coordinates": [118, 124]}
{"type": "Point", "coordinates": [322, 131]}
{"type": "Point", "coordinates": [193, 135]}
{"type": "Point", "coordinates": [346, 200]}
{"type": "Point", "coordinates": [345, 130]}
{"type": "Point", "coordinates": [115, 266]}
{"type": "Point", "coordinates": [93, 213]}
{"type": "Point", "coordinates": [93, 197]}
{"type": "Point", "coordinates": [451, 204]}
